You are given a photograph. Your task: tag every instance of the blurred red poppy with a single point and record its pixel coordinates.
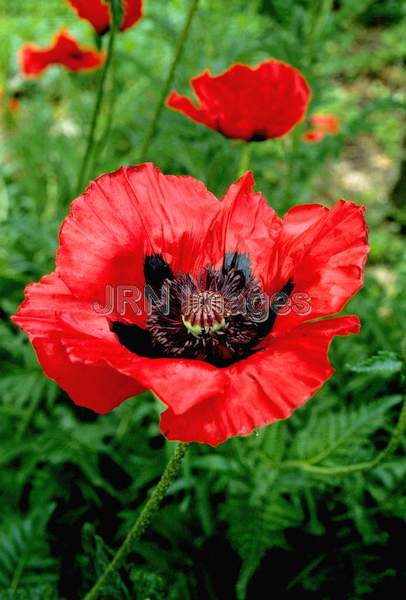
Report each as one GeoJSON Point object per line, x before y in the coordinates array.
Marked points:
{"type": "Point", "coordinates": [324, 124]}
{"type": "Point", "coordinates": [328, 123]}
{"type": "Point", "coordinates": [204, 342]}
{"type": "Point", "coordinates": [252, 104]}
{"type": "Point", "coordinates": [64, 51]}
{"type": "Point", "coordinates": [14, 104]}
{"type": "Point", "coordinates": [98, 13]}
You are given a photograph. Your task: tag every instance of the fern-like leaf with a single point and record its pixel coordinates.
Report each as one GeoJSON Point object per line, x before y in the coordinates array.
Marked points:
{"type": "Point", "coordinates": [21, 543]}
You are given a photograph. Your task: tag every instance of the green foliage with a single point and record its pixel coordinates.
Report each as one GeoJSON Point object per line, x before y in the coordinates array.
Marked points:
{"type": "Point", "coordinates": [342, 435]}
{"type": "Point", "coordinates": [384, 364]}
{"type": "Point", "coordinates": [94, 561]}
{"type": "Point", "coordinates": [287, 508]}
{"type": "Point", "coordinates": [25, 562]}
{"type": "Point", "coordinates": [257, 523]}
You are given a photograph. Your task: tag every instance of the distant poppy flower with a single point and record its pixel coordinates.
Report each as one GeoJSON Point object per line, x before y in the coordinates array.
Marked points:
{"type": "Point", "coordinates": [64, 51]}
{"type": "Point", "coordinates": [252, 104]}
{"type": "Point", "coordinates": [328, 123]}
{"type": "Point", "coordinates": [14, 104]}
{"type": "Point", "coordinates": [98, 13]}
{"type": "Point", "coordinates": [205, 342]}
{"type": "Point", "coordinates": [323, 125]}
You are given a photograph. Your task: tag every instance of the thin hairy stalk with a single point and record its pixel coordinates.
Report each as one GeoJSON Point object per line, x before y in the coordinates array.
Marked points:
{"type": "Point", "coordinates": [101, 144]}
{"type": "Point", "coordinates": [96, 112]}
{"type": "Point", "coordinates": [168, 82]}
{"type": "Point", "coordinates": [143, 521]}
{"type": "Point", "coordinates": [245, 158]}
{"type": "Point", "coordinates": [356, 467]}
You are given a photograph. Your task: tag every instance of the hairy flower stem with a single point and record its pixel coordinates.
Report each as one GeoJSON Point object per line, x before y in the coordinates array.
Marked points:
{"type": "Point", "coordinates": [245, 158]}
{"type": "Point", "coordinates": [143, 521]}
{"type": "Point", "coordinates": [167, 84]}
{"type": "Point", "coordinates": [96, 112]}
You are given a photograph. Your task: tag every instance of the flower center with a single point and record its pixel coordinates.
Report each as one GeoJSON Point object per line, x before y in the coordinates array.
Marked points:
{"type": "Point", "coordinates": [220, 318]}
{"type": "Point", "coordinates": [204, 312]}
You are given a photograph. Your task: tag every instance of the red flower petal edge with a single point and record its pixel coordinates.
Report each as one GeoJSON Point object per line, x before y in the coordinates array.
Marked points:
{"type": "Point", "coordinates": [97, 13]}
{"type": "Point", "coordinates": [221, 367]}
{"type": "Point", "coordinates": [252, 104]}
{"type": "Point", "coordinates": [64, 51]}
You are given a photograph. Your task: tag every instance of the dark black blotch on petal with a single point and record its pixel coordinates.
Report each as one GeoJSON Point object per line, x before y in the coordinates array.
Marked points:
{"type": "Point", "coordinates": [134, 338]}
{"type": "Point", "coordinates": [156, 270]}
{"type": "Point", "coordinates": [278, 302]}
{"type": "Point", "coordinates": [239, 263]}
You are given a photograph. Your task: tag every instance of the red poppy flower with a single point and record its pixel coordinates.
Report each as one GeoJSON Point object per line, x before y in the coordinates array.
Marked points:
{"type": "Point", "coordinates": [323, 125]}
{"type": "Point", "coordinates": [328, 123]}
{"type": "Point", "coordinates": [222, 333]}
{"type": "Point", "coordinates": [97, 12]}
{"type": "Point", "coordinates": [247, 103]}
{"type": "Point", "coordinates": [14, 104]}
{"type": "Point", "coordinates": [64, 51]}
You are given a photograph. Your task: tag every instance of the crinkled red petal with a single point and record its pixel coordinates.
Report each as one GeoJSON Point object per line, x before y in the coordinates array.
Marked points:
{"type": "Point", "coordinates": [123, 217]}
{"type": "Point", "coordinates": [264, 388]}
{"type": "Point", "coordinates": [49, 313]}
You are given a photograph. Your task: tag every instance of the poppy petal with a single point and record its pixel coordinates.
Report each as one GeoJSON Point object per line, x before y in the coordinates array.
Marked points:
{"type": "Point", "coordinates": [179, 383]}
{"type": "Point", "coordinates": [97, 12]}
{"type": "Point", "coordinates": [127, 215]}
{"type": "Point", "coordinates": [246, 225]}
{"type": "Point", "coordinates": [96, 386]}
{"type": "Point", "coordinates": [185, 105]}
{"type": "Point", "coordinates": [324, 252]}
{"type": "Point", "coordinates": [77, 349]}
{"type": "Point", "coordinates": [132, 13]}
{"type": "Point", "coordinates": [64, 51]}
{"type": "Point", "coordinates": [264, 388]}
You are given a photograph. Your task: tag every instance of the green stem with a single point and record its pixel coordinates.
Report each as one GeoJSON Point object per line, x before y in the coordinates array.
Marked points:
{"type": "Point", "coordinates": [96, 112]}
{"type": "Point", "coordinates": [101, 144]}
{"type": "Point", "coordinates": [168, 82]}
{"type": "Point", "coordinates": [357, 467]}
{"type": "Point", "coordinates": [143, 521]}
{"type": "Point", "coordinates": [245, 158]}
